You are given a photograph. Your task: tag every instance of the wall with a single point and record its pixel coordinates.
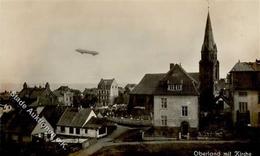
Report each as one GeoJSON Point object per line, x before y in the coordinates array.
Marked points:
{"type": "Point", "coordinates": [253, 106]}
{"type": "Point", "coordinates": [39, 130]}
{"type": "Point", "coordinates": [174, 110]}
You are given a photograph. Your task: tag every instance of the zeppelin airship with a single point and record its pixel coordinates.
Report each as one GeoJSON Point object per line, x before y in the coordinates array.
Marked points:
{"type": "Point", "coordinates": [83, 51]}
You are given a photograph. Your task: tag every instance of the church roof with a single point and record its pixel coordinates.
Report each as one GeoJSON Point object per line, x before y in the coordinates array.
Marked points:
{"type": "Point", "coordinates": [209, 43]}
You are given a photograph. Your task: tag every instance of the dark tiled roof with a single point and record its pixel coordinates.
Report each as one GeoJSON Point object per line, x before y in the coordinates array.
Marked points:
{"type": "Point", "coordinates": [242, 66]}
{"type": "Point", "coordinates": [38, 96]}
{"type": "Point", "coordinates": [63, 88]}
{"type": "Point", "coordinates": [105, 83]}
{"type": "Point", "coordinates": [154, 84]}
{"type": "Point", "coordinates": [92, 91]}
{"type": "Point", "coordinates": [18, 122]}
{"type": "Point", "coordinates": [195, 76]}
{"type": "Point", "coordinates": [177, 75]}
{"type": "Point", "coordinates": [95, 123]}
{"type": "Point", "coordinates": [148, 84]}
{"type": "Point", "coordinates": [130, 85]}
{"type": "Point", "coordinates": [53, 113]}
{"type": "Point", "coordinates": [74, 117]}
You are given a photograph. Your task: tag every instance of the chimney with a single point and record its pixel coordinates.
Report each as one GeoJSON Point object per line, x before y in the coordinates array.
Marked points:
{"type": "Point", "coordinates": [171, 65]}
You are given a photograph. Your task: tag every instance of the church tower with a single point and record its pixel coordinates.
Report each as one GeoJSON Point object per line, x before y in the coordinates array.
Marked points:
{"type": "Point", "coordinates": [208, 69]}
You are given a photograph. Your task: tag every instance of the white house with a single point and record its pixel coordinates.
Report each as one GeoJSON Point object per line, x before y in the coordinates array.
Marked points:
{"type": "Point", "coordinates": [172, 101]}
{"type": "Point", "coordinates": [80, 122]}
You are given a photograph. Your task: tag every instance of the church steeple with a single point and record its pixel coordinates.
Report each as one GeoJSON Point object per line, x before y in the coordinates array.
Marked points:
{"type": "Point", "coordinates": [209, 69]}
{"type": "Point", "coordinates": [209, 44]}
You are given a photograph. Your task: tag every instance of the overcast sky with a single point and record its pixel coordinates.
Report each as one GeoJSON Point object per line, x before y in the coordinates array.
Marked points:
{"type": "Point", "coordinates": [134, 37]}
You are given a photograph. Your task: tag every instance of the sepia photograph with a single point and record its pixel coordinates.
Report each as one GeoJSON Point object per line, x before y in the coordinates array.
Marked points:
{"type": "Point", "coordinates": [130, 77]}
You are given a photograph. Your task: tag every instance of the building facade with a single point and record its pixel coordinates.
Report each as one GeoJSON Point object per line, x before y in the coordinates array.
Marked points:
{"type": "Point", "coordinates": [107, 91]}
{"type": "Point", "coordinates": [64, 95]}
{"type": "Point", "coordinates": [170, 99]}
{"type": "Point", "coordinates": [245, 90]}
{"type": "Point", "coordinates": [80, 122]}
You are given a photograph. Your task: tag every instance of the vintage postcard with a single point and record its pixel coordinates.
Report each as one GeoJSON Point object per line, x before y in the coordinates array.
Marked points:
{"type": "Point", "coordinates": [130, 77]}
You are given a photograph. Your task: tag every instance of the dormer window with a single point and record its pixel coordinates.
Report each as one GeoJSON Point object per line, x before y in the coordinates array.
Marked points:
{"type": "Point", "coordinates": [174, 87]}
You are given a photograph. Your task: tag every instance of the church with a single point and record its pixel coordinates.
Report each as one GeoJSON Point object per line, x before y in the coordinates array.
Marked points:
{"type": "Point", "coordinates": [176, 101]}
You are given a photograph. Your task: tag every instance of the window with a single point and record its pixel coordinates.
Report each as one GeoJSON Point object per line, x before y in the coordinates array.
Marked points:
{"type": "Point", "coordinates": [175, 87]}
{"type": "Point", "coordinates": [184, 110]}
{"type": "Point", "coordinates": [71, 130]}
{"type": "Point", "coordinates": [242, 107]}
{"type": "Point", "coordinates": [242, 93]}
{"type": "Point", "coordinates": [164, 102]}
{"type": "Point", "coordinates": [86, 131]}
{"type": "Point", "coordinates": [62, 129]}
{"type": "Point", "coordinates": [164, 120]}
{"type": "Point", "coordinates": [77, 130]}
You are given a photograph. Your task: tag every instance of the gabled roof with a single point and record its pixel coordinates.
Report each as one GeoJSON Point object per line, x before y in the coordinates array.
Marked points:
{"type": "Point", "coordinates": [246, 66]}
{"type": "Point", "coordinates": [105, 83]}
{"type": "Point", "coordinates": [195, 76]}
{"type": "Point", "coordinates": [177, 75]}
{"type": "Point", "coordinates": [74, 117]}
{"type": "Point", "coordinates": [154, 84]}
{"type": "Point", "coordinates": [96, 123]}
{"type": "Point", "coordinates": [53, 113]}
{"type": "Point", "coordinates": [148, 84]}
{"type": "Point", "coordinates": [18, 122]}
{"type": "Point", "coordinates": [63, 88]}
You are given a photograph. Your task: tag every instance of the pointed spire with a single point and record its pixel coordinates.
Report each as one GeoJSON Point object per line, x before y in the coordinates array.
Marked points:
{"type": "Point", "coordinates": [209, 43]}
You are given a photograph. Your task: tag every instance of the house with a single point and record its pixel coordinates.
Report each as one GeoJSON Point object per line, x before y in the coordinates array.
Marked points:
{"type": "Point", "coordinates": [64, 95]}
{"type": "Point", "coordinates": [107, 91]}
{"type": "Point", "coordinates": [171, 99]}
{"type": "Point", "coordinates": [19, 127]}
{"type": "Point", "coordinates": [244, 79]}
{"type": "Point", "coordinates": [80, 122]}
{"type": "Point", "coordinates": [38, 96]}
{"type": "Point", "coordinates": [96, 128]}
